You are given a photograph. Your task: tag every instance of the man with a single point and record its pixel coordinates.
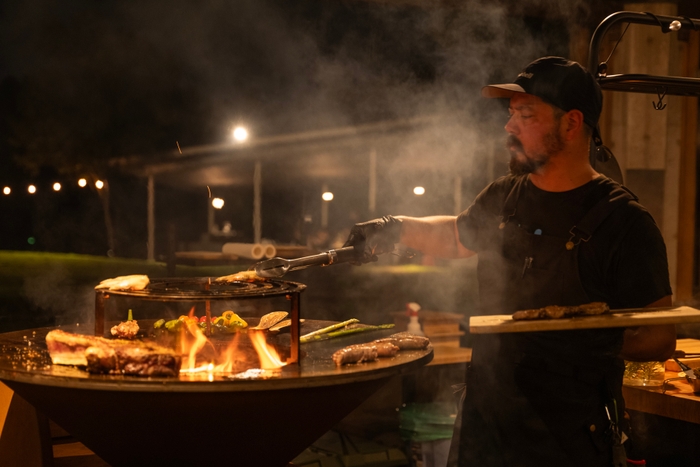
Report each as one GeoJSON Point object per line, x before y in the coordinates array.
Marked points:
{"type": "Point", "coordinates": [552, 232]}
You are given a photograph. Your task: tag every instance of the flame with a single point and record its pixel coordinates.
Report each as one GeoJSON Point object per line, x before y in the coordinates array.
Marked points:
{"type": "Point", "coordinates": [192, 344]}
{"type": "Point", "coordinates": [269, 358]}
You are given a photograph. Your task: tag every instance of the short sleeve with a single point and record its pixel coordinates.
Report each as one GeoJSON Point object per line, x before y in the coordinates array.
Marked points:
{"type": "Point", "coordinates": [474, 223]}
{"type": "Point", "coordinates": [640, 268]}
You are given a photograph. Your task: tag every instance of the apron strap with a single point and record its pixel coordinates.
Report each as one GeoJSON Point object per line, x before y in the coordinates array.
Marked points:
{"type": "Point", "coordinates": [511, 203]}
{"type": "Point", "coordinates": [584, 229]}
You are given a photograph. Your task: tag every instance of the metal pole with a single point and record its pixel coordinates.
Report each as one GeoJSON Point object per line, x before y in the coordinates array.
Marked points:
{"type": "Point", "coordinates": [458, 194]}
{"type": "Point", "coordinates": [372, 181]}
{"type": "Point", "coordinates": [324, 208]}
{"type": "Point", "coordinates": [151, 247]}
{"type": "Point", "coordinates": [257, 202]}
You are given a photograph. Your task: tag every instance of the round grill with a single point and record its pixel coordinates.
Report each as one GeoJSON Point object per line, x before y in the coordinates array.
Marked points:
{"type": "Point", "coordinates": [205, 288]}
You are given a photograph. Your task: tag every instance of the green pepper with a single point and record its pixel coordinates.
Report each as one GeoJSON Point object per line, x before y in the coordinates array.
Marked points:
{"type": "Point", "coordinates": [158, 324]}
{"type": "Point", "coordinates": [173, 325]}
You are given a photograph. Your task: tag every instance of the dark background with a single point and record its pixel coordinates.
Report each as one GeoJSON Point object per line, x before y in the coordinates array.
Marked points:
{"type": "Point", "coordinates": [84, 82]}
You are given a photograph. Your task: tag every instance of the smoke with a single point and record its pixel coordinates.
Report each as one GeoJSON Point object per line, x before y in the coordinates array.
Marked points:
{"type": "Point", "coordinates": [53, 293]}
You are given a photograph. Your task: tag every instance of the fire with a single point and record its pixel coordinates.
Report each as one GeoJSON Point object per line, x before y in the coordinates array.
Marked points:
{"type": "Point", "coordinates": [269, 358]}
{"type": "Point", "coordinates": [211, 362]}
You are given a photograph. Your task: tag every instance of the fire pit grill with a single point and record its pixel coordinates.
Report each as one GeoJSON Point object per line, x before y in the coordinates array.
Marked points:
{"type": "Point", "coordinates": [206, 289]}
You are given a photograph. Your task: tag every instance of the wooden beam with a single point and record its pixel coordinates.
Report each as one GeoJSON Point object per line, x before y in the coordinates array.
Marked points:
{"type": "Point", "coordinates": [687, 181]}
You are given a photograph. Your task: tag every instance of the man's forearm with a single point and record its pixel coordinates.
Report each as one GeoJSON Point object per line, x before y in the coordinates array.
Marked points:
{"type": "Point", "coordinates": [435, 236]}
{"type": "Point", "coordinates": [649, 343]}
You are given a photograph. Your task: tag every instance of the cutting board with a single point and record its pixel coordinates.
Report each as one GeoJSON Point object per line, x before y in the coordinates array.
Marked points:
{"type": "Point", "coordinates": [615, 319]}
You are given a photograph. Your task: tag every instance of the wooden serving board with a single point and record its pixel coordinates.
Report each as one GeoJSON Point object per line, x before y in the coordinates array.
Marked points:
{"type": "Point", "coordinates": [615, 319]}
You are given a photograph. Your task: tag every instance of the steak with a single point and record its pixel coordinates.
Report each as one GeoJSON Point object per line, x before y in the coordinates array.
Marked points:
{"type": "Point", "coordinates": [112, 356]}
{"type": "Point", "coordinates": [558, 312]}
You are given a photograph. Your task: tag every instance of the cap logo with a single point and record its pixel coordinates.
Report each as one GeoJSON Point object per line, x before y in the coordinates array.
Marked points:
{"type": "Point", "coordinates": [525, 75]}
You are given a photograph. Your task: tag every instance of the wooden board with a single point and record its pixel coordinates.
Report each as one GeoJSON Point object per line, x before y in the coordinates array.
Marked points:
{"type": "Point", "coordinates": [620, 319]}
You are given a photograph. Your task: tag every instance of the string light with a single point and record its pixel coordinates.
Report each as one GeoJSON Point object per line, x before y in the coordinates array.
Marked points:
{"type": "Point", "coordinates": [82, 183]}
{"type": "Point", "coordinates": [56, 186]}
{"type": "Point", "coordinates": [327, 196]}
{"type": "Point", "coordinates": [218, 203]}
{"type": "Point", "coordinates": [419, 191]}
{"type": "Point", "coordinates": [31, 189]}
{"type": "Point", "coordinates": [99, 184]}
{"type": "Point", "coordinates": [7, 190]}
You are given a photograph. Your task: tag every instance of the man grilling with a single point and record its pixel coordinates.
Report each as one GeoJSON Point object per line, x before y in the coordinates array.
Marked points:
{"type": "Point", "coordinates": [552, 232]}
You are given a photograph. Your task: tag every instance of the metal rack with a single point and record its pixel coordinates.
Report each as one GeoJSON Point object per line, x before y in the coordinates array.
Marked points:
{"type": "Point", "coordinates": [660, 85]}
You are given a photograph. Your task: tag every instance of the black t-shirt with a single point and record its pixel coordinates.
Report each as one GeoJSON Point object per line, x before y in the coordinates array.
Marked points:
{"type": "Point", "coordinates": [623, 264]}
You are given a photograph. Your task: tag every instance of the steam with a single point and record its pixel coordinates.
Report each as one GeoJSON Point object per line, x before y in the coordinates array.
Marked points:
{"type": "Point", "coordinates": [53, 293]}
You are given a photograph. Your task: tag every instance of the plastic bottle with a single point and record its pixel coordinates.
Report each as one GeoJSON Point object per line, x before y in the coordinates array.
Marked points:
{"type": "Point", "coordinates": [413, 324]}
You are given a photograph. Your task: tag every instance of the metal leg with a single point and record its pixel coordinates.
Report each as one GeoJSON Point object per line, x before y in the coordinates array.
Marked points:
{"type": "Point", "coordinates": [295, 328]}
{"type": "Point", "coordinates": [99, 313]}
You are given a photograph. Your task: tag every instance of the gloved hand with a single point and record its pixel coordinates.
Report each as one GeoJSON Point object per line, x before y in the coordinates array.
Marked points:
{"type": "Point", "coordinates": [374, 237]}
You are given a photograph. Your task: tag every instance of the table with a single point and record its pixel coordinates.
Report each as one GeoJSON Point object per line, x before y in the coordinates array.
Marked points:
{"type": "Point", "coordinates": [678, 402]}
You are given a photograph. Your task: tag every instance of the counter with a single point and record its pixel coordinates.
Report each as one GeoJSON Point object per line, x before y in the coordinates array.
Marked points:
{"type": "Point", "coordinates": [678, 402]}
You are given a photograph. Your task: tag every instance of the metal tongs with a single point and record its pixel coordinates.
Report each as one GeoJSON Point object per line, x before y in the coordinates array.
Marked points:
{"type": "Point", "coordinates": [690, 376]}
{"type": "Point", "coordinates": [278, 267]}
{"type": "Point", "coordinates": [689, 372]}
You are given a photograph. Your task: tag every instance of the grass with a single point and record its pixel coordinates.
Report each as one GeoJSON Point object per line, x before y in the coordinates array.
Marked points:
{"type": "Point", "coordinates": [41, 289]}
{"type": "Point", "coordinates": [38, 288]}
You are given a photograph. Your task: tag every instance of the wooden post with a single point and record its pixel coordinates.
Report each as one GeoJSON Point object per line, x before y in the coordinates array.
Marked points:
{"type": "Point", "coordinates": [687, 184]}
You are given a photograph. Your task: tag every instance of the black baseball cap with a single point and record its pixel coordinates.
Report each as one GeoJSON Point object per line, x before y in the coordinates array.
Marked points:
{"type": "Point", "coordinates": [560, 82]}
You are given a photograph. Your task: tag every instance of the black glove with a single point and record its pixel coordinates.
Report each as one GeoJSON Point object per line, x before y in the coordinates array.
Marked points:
{"type": "Point", "coordinates": [374, 237]}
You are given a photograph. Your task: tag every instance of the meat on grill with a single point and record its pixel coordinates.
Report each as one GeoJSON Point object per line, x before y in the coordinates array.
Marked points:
{"type": "Point", "coordinates": [126, 329]}
{"type": "Point", "coordinates": [380, 348]}
{"type": "Point", "coordinates": [113, 356]}
{"type": "Point", "coordinates": [406, 341]}
{"type": "Point", "coordinates": [558, 312]}
{"type": "Point", "coordinates": [355, 354]}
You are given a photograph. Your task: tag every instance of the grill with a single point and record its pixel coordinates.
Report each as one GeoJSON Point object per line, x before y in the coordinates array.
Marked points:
{"type": "Point", "coordinates": [206, 290]}
{"type": "Point", "coordinates": [229, 420]}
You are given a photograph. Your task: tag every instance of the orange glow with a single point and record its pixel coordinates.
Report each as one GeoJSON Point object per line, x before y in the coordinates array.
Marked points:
{"type": "Point", "coordinates": [269, 358]}
{"type": "Point", "coordinates": [229, 360]}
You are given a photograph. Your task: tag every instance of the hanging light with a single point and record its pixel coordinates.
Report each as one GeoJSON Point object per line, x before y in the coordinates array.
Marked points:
{"type": "Point", "coordinates": [327, 196]}
{"type": "Point", "coordinates": [240, 134]}
{"type": "Point", "coordinates": [82, 183]}
{"type": "Point", "coordinates": [217, 203]}
{"type": "Point", "coordinates": [31, 189]}
{"type": "Point", "coordinates": [56, 186]}
{"type": "Point", "coordinates": [7, 190]}
{"type": "Point", "coordinates": [99, 184]}
{"type": "Point", "coordinates": [419, 191]}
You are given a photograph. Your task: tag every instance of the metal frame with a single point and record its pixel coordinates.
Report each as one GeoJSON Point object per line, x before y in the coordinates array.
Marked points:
{"type": "Point", "coordinates": [660, 85]}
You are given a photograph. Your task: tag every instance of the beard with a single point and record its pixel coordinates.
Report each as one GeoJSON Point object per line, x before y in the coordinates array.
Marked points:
{"type": "Point", "coordinates": [522, 163]}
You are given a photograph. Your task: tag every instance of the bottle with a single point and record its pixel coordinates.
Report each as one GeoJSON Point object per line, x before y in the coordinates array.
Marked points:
{"type": "Point", "coordinates": [413, 324]}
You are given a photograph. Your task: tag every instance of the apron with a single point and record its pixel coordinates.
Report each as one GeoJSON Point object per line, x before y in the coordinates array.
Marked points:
{"type": "Point", "coordinates": [539, 398]}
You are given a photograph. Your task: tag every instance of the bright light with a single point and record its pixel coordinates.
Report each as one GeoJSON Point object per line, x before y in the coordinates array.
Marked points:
{"type": "Point", "coordinates": [82, 183]}
{"type": "Point", "coordinates": [218, 203]}
{"type": "Point", "coordinates": [7, 190]}
{"type": "Point", "coordinates": [418, 191]}
{"type": "Point", "coordinates": [99, 184]}
{"type": "Point", "coordinates": [56, 186]}
{"type": "Point", "coordinates": [31, 189]}
{"type": "Point", "coordinates": [327, 196]}
{"type": "Point", "coordinates": [240, 134]}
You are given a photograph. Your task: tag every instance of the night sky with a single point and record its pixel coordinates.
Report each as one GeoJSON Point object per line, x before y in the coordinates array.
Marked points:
{"type": "Point", "coordinates": [84, 81]}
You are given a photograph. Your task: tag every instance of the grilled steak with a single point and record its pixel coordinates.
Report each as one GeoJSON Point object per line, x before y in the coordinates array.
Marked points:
{"type": "Point", "coordinates": [100, 355]}
{"type": "Point", "coordinates": [558, 312]}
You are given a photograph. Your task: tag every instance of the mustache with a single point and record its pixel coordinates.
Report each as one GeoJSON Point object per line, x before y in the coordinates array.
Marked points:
{"type": "Point", "coordinates": [514, 142]}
